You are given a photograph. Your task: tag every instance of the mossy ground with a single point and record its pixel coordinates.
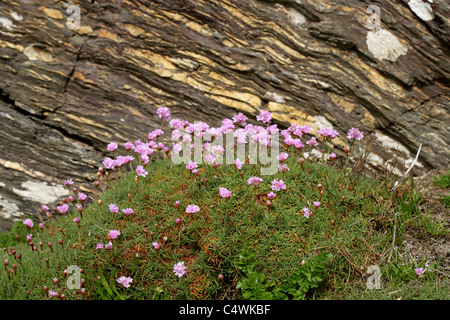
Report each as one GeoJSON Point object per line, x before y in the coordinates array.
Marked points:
{"type": "Point", "coordinates": [231, 242]}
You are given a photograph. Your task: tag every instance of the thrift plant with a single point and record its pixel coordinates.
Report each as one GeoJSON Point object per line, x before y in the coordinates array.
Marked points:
{"type": "Point", "coordinates": [198, 213]}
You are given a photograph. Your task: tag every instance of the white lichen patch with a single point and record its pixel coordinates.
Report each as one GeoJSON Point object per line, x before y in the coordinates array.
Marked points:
{"type": "Point", "coordinates": [16, 16]}
{"type": "Point", "coordinates": [275, 96]}
{"type": "Point", "coordinates": [422, 9]}
{"type": "Point", "coordinates": [391, 144]}
{"type": "Point", "coordinates": [384, 45]}
{"type": "Point", "coordinates": [9, 210]}
{"type": "Point", "coordinates": [41, 192]}
{"type": "Point", "coordinates": [6, 23]}
{"type": "Point", "coordinates": [321, 122]}
{"type": "Point", "coordinates": [296, 17]}
{"type": "Point", "coordinates": [376, 161]}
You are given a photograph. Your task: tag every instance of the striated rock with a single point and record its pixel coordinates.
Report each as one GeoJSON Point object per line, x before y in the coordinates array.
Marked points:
{"type": "Point", "coordinates": [66, 90]}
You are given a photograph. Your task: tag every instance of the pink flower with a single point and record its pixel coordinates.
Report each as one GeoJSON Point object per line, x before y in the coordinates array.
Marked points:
{"type": "Point", "coordinates": [99, 246]}
{"type": "Point", "coordinates": [224, 193]}
{"type": "Point", "coordinates": [277, 185]}
{"type": "Point", "coordinates": [76, 220]}
{"type": "Point", "coordinates": [210, 158]}
{"type": "Point", "coordinates": [283, 167]}
{"type": "Point", "coordinates": [127, 211]}
{"type": "Point", "coordinates": [113, 234]}
{"type": "Point", "coordinates": [63, 208]}
{"type": "Point", "coordinates": [306, 212]}
{"type": "Point", "coordinates": [109, 245]}
{"type": "Point", "coordinates": [113, 208]}
{"type": "Point", "coordinates": [254, 181]}
{"type": "Point", "coordinates": [289, 141]}
{"type": "Point", "coordinates": [192, 208]}
{"type": "Point", "coordinates": [127, 159]}
{"type": "Point", "coordinates": [271, 195]}
{"type": "Point", "coordinates": [29, 237]}
{"type": "Point", "coordinates": [177, 220]}
{"type": "Point", "coordinates": [108, 163]}
{"type": "Point", "coordinates": [52, 293]}
{"type": "Point", "coordinates": [141, 172]}
{"type": "Point", "coordinates": [312, 142]}
{"type": "Point", "coordinates": [191, 166]}
{"type": "Point", "coordinates": [82, 196]}
{"type": "Point", "coordinates": [418, 271]}
{"type": "Point", "coordinates": [238, 163]}
{"type": "Point", "coordinates": [44, 208]}
{"type": "Point", "coordinates": [282, 156]}
{"type": "Point", "coordinates": [28, 223]}
{"type": "Point", "coordinates": [111, 146]}
{"type": "Point", "coordinates": [68, 182]}
{"type": "Point", "coordinates": [298, 143]}
{"type": "Point", "coordinates": [316, 204]}
{"type": "Point", "coordinates": [125, 281]}
{"type": "Point", "coordinates": [264, 116]}
{"type": "Point", "coordinates": [156, 245]}
{"type": "Point", "coordinates": [328, 132]}
{"type": "Point", "coordinates": [332, 156]}
{"type": "Point", "coordinates": [240, 118]}
{"type": "Point", "coordinates": [163, 113]}
{"type": "Point", "coordinates": [179, 269]}
{"type": "Point", "coordinates": [355, 133]}
{"type": "Point", "coordinates": [128, 145]}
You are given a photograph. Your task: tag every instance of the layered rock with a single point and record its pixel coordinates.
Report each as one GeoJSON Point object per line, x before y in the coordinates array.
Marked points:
{"type": "Point", "coordinates": [67, 90]}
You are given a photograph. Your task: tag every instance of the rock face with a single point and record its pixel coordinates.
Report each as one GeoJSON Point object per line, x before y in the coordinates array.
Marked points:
{"type": "Point", "coordinates": [77, 75]}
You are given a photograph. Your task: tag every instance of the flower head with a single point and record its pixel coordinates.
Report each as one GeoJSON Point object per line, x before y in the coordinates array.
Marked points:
{"type": "Point", "coordinates": [179, 269]}
{"type": "Point", "coordinates": [418, 271]}
{"type": "Point", "coordinates": [355, 133]}
{"type": "Point", "coordinates": [127, 211]}
{"type": "Point", "coordinates": [113, 234]}
{"type": "Point", "coordinates": [192, 208]}
{"type": "Point", "coordinates": [125, 281]}
{"type": "Point", "coordinates": [271, 195]}
{"type": "Point", "coordinates": [254, 181]}
{"type": "Point", "coordinates": [264, 116]}
{"type": "Point", "coordinates": [238, 163]}
{"type": "Point", "coordinates": [240, 118]}
{"type": "Point", "coordinates": [128, 145]}
{"type": "Point", "coordinates": [68, 182]}
{"type": "Point", "coordinates": [63, 208]}
{"type": "Point", "coordinates": [82, 196]}
{"type": "Point", "coordinates": [312, 142]}
{"type": "Point", "coordinates": [278, 184]}
{"type": "Point", "coordinates": [111, 146]}
{"type": "Point", "coordinates": [141, 172]}
{"type": "Point", "coordinates": [306, 212]}
{"type": "Point", "coordinates": [113, 208]}
{"type": "Point", "coordinates": [108, 245]}
{"type": "Point", "coordinates": [156, 245]}
{"type": "Point", "coordinates": [316, 204]}
{"type": "Point", "coordinates": [52, 293]}
{"type": "Point", "coordinates": [224, 193]}
{"type": "Point", "coordinates": [191, 165]}
{"type": "Point", "coordinates": [328, 132]}
{"type": "Point", "coordinates": [282, 156]}
{"type": "Point", "coordinates": [163, 113]}
{"type": "Point", "coordinates": [99, 246]}
{"type": "Point", "coordinates": [28, 223]}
